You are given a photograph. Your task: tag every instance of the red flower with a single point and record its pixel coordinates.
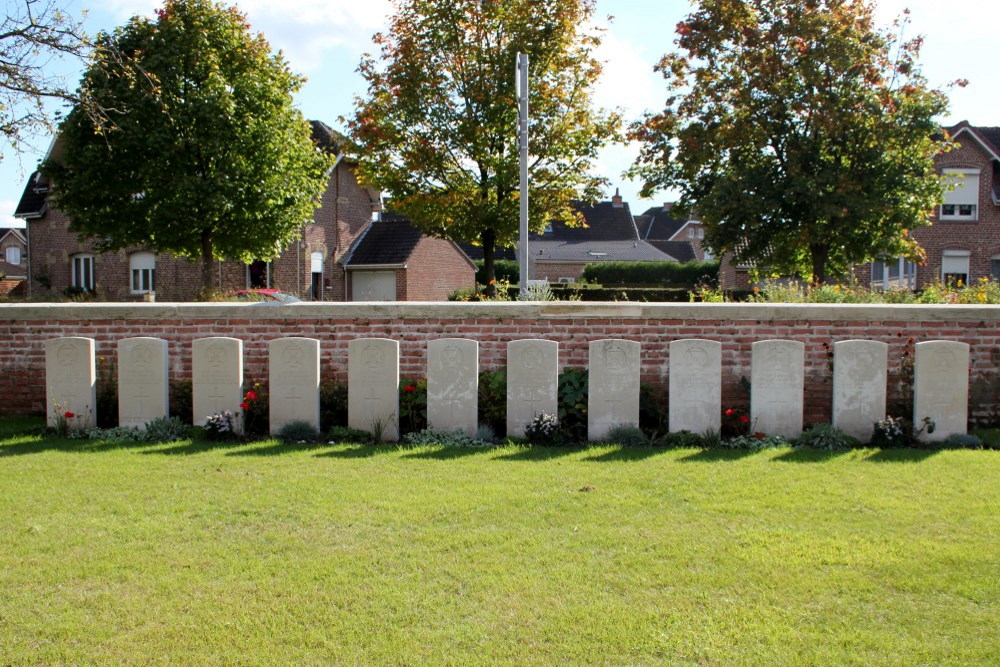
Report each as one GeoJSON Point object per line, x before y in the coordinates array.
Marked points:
{"type": "Point", "coordinates": [744, 419]}
{"type": "Point", "coordinates": [409, 388]}
{"type": "Point", "coordinates": [730, 412]}
{"type": "Point", "coordinates": [251, 395]}
{"type": "Point", "coordinates": [245, 406]}
{"type": "Point", "coordinates": [68, 415]}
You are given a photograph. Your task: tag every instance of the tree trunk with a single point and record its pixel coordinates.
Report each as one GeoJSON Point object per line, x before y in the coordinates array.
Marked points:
{"type": "Point", "coordinates": [207, 260]}
{"type": "Point", "coordinates": [489, 241]}
{"type": "Point", "coordinates": [819, 254]}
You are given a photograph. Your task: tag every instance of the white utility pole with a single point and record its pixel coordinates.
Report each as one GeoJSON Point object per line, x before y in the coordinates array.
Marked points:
{"type": "Point", "coordinates": [522, 142]}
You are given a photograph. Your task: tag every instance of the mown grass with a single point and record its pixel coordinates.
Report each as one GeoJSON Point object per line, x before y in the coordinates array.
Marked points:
{"type": "Point", "coordinates": [264, 553]}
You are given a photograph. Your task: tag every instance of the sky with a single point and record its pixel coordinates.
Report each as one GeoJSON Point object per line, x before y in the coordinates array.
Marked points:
{"type": "Point", "coordinates": [324, 40]}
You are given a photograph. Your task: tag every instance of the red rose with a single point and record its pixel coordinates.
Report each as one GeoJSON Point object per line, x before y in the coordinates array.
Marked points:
{"type": "Point", "coordinates": [730, 412]}
{"type": "Point", "coordinates": [745, 419]}
{"type": "Point", "coordinates": [251, 395]}
{"type": "Point", "coordinates": [409, 388]}
{"type": "Point", "coordinates": [245, 406]}
{"type": "Point", "coordinates": [68, 415]}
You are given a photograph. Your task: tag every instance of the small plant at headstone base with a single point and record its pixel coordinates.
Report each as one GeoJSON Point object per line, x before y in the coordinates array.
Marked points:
{"type": "Point", "coordinates": [106, 392]}
{"type": "Point", "coordinates": [165, 429]}
{"type": "Point", "coordinates": [573, 388]}
{"type": "Point", "coordinates": [493, 400]}
{"type": "Point", "coordinates": [297, 430]}
{"type": "Point", "coordinates": [755, 441]}
{"type": "Point", "coordinates": [626, 435]}
{"type": "Point", "coordinates": [379, 425]}
{"type": "Point", "coordinates": [332, 404]}
{"type": "Point", "coordinates": [682, 440]}
{"type": "Point", "coordinates": [892, 432]}
{"type": "Point", "coordinates": [66, 421]}
{"type": "Point", "coordinates": [544, 430]}
{"type": "Point", "coordinates": [826, 436]}
{"type": "Point", "coordinates": [221, 425]}
{"type": "Point", "coordinates": [963, 441]}
{"type": "Point", "coordinates": [443, 438]}
{"type": "Point", "coordinates": [181, 399]}
{"type": "Point", "coordinates": [343, 434]}
{"type": "Point", "coordinates": [254, 409]}
{"type": "Point", "coordinates": [735, 422]}
{"type": "Point", "coordinates": [486, 434]}
{"type": "Point", "coordinates": [412, 405]}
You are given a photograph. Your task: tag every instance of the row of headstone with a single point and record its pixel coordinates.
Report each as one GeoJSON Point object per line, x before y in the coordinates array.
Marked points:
{"type": "Point", "coordinates": [695, 383]}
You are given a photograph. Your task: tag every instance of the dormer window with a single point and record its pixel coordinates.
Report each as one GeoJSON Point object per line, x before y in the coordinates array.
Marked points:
{"type": "Point", "coordinates": [961, 196]}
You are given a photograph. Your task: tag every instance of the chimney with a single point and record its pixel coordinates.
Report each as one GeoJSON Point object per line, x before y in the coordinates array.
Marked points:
{"type": "Point", "coordinates": [667, 206]}
{"type": "Point", "coordinates": [616, 201]}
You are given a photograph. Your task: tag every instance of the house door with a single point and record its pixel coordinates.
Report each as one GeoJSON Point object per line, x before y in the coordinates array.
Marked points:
{"type": "Point", "coordinates": [373, 286]}
{"type": "Point", "coordinates": [317, 276]}
{"type": "Point", "coordinates": [259, 274]}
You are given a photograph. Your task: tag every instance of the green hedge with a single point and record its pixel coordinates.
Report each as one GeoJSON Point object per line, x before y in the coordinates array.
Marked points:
{"type": "Point", "coordinates": [662, 274]}
{"type": "Point", "coordinates": [599, 293]}
{"type": "Point", "coordinates": [503, 268]}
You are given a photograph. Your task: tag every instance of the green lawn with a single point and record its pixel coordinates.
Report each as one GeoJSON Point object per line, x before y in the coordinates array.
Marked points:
{"type": "Point", "coordinates": [261, 553]}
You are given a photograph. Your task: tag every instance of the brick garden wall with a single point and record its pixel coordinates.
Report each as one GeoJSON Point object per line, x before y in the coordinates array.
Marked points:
{"type": "Point", "coordinates": [24, 328]}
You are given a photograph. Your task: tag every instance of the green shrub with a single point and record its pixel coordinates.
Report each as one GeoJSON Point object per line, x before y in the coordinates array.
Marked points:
{"type": "Point", "coordinates": [503, 269]}
{"type": "Point", "coordinates": [332, 404]}
{"type": "Point", "coordinates": [485, 433]}
{"type": "Point", "coordinates": [892, 432]}
{"type": "Point", "coordinates": [493, 400]}
{"type": "Point", "coordinates": [412, 405]}
{"type": "Point", "coordinates": [626, 435]}
{"type": "Point", "coordinates": [664, 274]}
{"type": "Point", "coordinates": [343, 434]}
{"type": "Point", "coordinates": [963, 441]}
{"type": "Point", "coordinates": [756, 441]}
{"type": "Point", "coordinates": [573, 388]}
{"type": "Point", "coordinates": [682, 439]}
{"type": "Point", "coordinates": [181, 392]}
{"type": "Point", "coordinates": [826, 436]}
{"type": "Point", "coordinates": [298, 430]}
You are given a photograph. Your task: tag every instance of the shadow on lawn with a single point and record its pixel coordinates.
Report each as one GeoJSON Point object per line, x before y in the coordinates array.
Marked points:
{"type": "Point", "coordinates": [717, 454]}
{"type": "Point", "coordinates": [36, 444]}
{"type": "Point", "coordinates": [188, 447]}
{"type": "Point", "coordinates": [445, 453]}
{"type": "Point", "coordinates": [901, 455]}
{"type": "Point", "coordinates": [279, 448]}
{"type": "Point", "coordinates": [357, 451]}
{"type": "Point", "coordinates": [809, 455]}
{"type": "Point", "coordinates": [537, 453]}
{"type": "Point", "coordinates": [626, 454]}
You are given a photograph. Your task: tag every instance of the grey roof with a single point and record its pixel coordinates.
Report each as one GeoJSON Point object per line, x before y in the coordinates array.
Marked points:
{"type": "Point", "coordinates": [389, 240]}
{"type": "Point", "coordinates": [682, 251]}
{"type": "Point", "coordinates": [554, 250]}
{"type": "Point", "coordinates": [18, 234]}
{"type": "Point", "coordinates": [604, 222]}
{"type": "Point", "coordinates": [662, 226]}
{"type": "Point", "coordinates": [475, 252]}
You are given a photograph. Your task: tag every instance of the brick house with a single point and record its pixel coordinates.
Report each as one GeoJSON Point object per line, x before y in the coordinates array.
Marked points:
{"type": "Point", "coordinates": [13, 262]}
{"type": "Point", "coordinates": [311, 267]}
{"type": "Point", "coordinates": [676, 236]}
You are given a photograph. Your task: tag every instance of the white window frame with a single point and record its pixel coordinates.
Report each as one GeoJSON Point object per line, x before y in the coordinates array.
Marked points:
{"type": "Point", "coordinates": [961, 203]}
{"type": "Point", "coordinates": [82, 272]}
{"type": "Point", "coordinates": [13, 251]}
{"type": "Point", "coordinates": [142, 272]}
{"type": "Point", "coordinates": [995, 268]}
{"type": "Point", "coordinates": [906, 274]}
{"type": "Point", "coordinates": [956, 256]}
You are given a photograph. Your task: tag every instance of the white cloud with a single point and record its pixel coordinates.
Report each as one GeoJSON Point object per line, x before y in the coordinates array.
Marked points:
{"type": "Point", "coordinates": [7, 219]}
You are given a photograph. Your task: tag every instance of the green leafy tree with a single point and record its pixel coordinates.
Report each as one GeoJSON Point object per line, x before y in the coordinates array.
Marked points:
{"type": "Point", "coordinates": [801, 133]}
{"type": "Point", "coordinates": [438, 127]}
{"type": "Point", "coordinates": [202, 154]}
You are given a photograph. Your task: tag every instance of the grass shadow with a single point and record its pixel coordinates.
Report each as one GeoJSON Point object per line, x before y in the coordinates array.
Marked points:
{"type": "Point", "coordinates": [716, 454]}
{"type": "Point", "coordinates": [809, 455]}
{"type": "Point", "coordinates": [357, 451]}
{"type": "Point", "coordinates": [36, 444]}
{"type": "Point", "coordinates": [537, 453]}
{"type": "Point", "coordinates": [189, 447]}
{"type": "Point", "coordinates": [445, 453]}
{"type": "Point", "coordinates": [279, 449]}
{"type": "Point", "coordinates": [913, 455]}
{"type": "Point", "coordinates": [622, 453]}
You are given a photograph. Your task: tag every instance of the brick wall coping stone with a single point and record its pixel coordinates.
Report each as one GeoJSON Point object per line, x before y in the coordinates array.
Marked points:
{"type": "Point", "coordinates": [501, 310]}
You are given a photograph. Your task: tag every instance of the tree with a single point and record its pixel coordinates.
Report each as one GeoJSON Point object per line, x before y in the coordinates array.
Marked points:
{"type": "Point", "coordinates": [203, 154]}
{"type": "Point", "coordinates": [33, 35]}
{"type": "Point", "coordinates": [801, 134]}
{"type": "Point", "coordinates": [438, 128]}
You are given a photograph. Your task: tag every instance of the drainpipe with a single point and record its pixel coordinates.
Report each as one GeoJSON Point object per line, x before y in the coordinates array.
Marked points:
{"type": "Point", "coordinates": [27, 251]}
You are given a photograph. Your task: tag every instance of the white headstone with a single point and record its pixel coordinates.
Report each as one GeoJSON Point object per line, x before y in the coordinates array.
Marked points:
{"type": "Point", "coordinates": [453, 385]}
{"type": "Point", "coordinates": [71, 382]}
{"type": "Point", "coordinates": [859, 381]}
{"type": "Point", "coordinates": [217, 373]}
{"type": "Point", "coordinates": [143, 393]}
{"type": "Point", "coordinates": [776, 387]}
{"type": "Point", "coordinates": [695, 385]}
{"type": "Point", "coordinates": [613, 386]}
{"type": "Point", "coordinates": [293, 376]}
{"type": "Point", "coordinates": [373, 386]}
{"type": "Point", "coordinates": [941, 388]}
{"type": "Point", "coordinates": [532, 382]}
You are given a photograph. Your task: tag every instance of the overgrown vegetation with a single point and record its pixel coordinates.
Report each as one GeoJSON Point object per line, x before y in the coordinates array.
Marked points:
{"type": "Point", "coordinates": [646, 274]}
{"type": "Point", "coordinates": [984, 291]}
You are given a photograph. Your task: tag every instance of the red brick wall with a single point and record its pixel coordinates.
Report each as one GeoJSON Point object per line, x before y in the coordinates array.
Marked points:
{"type": "Point", "coordinates": [436, 268]}
{"type": "Point", "coordinates": [553, 271]}
{"type": "Point", "coordinates": [573, 325]}
{"type": "Point", "coordinates": [346, 209]}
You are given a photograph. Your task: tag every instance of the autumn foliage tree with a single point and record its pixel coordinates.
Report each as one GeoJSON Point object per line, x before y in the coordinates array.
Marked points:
{"type": "Point", "coordinates": [801, 133]}
{"type": "Point", "coordinates": [202, 153]}
{"type": "Point", "coordinates": [437, 128]}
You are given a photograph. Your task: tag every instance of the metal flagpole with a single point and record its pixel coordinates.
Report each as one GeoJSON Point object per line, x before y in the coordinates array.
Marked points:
{"type": "Point", "coordinates": [522, 140]}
